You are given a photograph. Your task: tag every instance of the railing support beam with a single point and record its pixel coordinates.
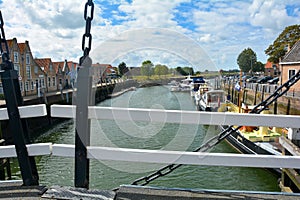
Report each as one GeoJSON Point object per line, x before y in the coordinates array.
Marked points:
{"type": "Point", "coordinates": [82, 131]}
{"type": "Point", "coordinates": [17, 125]}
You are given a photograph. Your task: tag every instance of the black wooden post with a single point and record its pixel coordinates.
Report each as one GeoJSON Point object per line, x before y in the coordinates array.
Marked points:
{"type": "Point", "coordinates": [263, 93]}
{"type": "Point", "coordinates": [275, 108]}
{"type": "Point", "coordinates": [255, 94]}
{"type": "Point", "coordinates": [17, 125]}
{"type": "Point", "coordinates": [84, 98]}
{"type": "Point", "coordinates": [288, 107]}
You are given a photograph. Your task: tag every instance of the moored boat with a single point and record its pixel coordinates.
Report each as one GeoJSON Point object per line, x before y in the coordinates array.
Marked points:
{"type": "Point", "coordinates": [211, 100]}
{"type": "Point", "coordinates": [254, 140]}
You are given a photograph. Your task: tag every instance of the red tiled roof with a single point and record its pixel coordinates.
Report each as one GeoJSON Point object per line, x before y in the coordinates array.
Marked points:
{"type": "Point", "coordinates": [71, 65]}
{"type": "Point", "coordinates": [43, 63]}
{"type": "Point", "coordinates": [22, 47]}
{"type": "Point", "coordinates": [269, 65]}
{"type": "Point", "coordinates": [57, 65]}
{"type": "Point", "coordinates": [10, 43]}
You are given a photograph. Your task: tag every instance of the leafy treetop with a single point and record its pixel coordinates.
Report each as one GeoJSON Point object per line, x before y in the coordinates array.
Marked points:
{"type": "Point", "coordinates": [288, 37]}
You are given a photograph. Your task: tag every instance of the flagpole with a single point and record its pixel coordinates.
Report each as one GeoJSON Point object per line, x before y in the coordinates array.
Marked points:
{"type": "Point", "coordinates": [240, 92]}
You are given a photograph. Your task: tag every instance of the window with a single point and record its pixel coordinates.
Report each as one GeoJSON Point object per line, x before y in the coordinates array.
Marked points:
{"type": "Point", "coordinates": [292, 72]}
{"type": "Point", "coordinates": [16, 57]}
{"type": "Point", "coordinates": [21, 86]}
{"type": "Point", "coordinates": [54, 81]}
{"type": "Point", "coordinates": [26, 86]}
{"type": "Point", "coordinates": [43, 83]}
{"type": "Point", "coordinates": [51, 68]}
{"type": "Point", "coordinates": [49, 82]}
{"type": "Point", "coordinates": [27, 59]}
{"type": "Point", "coordinates": [36, 69]}
{"type": "Point", "coordinates": [17, 68]}
{"type": "Point", "coordinates": [32, 85]}
{"type": "Point", "coordinates": [28, 71]}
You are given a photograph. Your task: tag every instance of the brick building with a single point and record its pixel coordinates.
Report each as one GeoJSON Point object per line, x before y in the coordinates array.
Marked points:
{"type": "Point", "coordinates": [290, 64]}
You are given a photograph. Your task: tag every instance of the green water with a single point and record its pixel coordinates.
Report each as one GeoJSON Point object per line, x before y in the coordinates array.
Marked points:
{"type": "Point", "coordinates": [107, 175]}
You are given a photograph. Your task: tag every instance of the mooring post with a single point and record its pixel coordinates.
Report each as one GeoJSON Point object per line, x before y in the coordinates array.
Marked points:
{"type": "Point", "coordinates": [84, 98]}
{"type": "Point", "coordinates": [255, 94]}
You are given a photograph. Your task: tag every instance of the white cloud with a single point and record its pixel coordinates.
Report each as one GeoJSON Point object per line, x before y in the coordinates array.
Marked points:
{"type": "Point", "coordinates": [271, 15]}
{"type": "Point", "coordinates": [222, 28]}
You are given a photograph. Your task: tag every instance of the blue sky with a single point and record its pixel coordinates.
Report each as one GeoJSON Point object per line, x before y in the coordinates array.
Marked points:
{"type": "Point", "coordinates": [202, 34]}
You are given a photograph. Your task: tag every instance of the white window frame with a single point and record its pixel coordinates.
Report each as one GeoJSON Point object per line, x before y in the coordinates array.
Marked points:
{"type": "Point", "coordinates": [17, 68]}
{"type": "Point", "coordinates": [28, 71]}
{"type": "Point", "coordinates": [27, 59]}
{"type": "Point", "coordinates": [16, 57]}
{"type": "Point", "coordinates": [54, 81]}
{"type": "Point", "coordinates": [36, 69]}
{"type": "Point", "coordinates": [26, 86]}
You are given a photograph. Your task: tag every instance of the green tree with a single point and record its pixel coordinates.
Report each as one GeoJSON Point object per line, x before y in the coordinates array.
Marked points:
{"type": "Point", "coordinates": [288, 37]}
{"type": "Point", "coordinates": [161, 70]}
{"type": "Point", "coordinates": [147, 68]}
{"type": "Point", "coordinates": [188, 70]}
{"type": "Point", "coordinates": [123, 69]}
{"type": "Point", "coordinates": [247, 60]}
{"type": "Point", "coordinates": [180, 71]}
{"type": "Point", "coordinates": [259, 67]}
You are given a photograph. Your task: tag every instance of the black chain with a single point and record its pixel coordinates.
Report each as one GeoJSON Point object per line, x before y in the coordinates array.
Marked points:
{"type": "Point", "coordinates": [87, 36]}
{"type": "Point", "coordinates": [280, 91]}
{"type": "Point", "coordinates": [5, 51]}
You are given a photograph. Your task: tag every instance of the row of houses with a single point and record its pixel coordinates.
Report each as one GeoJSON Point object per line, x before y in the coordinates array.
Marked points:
{"type": "Point", "coordinates": [37, 75]}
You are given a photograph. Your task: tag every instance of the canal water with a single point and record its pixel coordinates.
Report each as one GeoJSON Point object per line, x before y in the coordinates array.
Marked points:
{"type": "Point", "coordinates": [148, 135]}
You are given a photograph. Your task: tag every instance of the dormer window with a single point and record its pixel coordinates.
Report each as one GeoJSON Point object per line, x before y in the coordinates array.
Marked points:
{"type": "Point", "coordinates": [51, 67]}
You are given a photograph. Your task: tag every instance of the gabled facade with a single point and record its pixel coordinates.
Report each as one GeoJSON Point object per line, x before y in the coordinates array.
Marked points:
{"type": "Point", "coordinates": [290, 65]}
{"type": "Point", "coordinates": [62, 77]}
{"type": "Point", "coordinates": [30, 76]}
{"type": "Point", "coordinates": [47, 66]}
{"type": "Point", "coordinates": [72, 67]}
{"type": "Point", "coordinates": [32, 79]}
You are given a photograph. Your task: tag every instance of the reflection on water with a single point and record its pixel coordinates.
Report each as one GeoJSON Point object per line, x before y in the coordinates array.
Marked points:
{"type": "Point", "coordinates": [148, 135]}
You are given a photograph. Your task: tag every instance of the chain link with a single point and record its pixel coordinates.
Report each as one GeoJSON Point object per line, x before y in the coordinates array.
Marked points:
{"type": "Point", "coordinates": [4, 46]}
{"type": "Point", "coordinates": [87, 36]}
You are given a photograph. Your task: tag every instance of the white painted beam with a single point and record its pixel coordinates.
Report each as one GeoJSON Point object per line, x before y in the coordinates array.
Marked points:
{"type": "Point", "coordinates": [26, 111]}
{"type": "Point", "coordinates": [63, 111]}
{"type": "Point", "coordinates": [193, 158]}
{"type": "Point", "coordinates": [63, 150]}
{"type": "Point", "coordinates": [182, 117]}
{"type": "Point", "coordinates": [159, 156]}
{"type": "Point", "coordinates": [37, 149]}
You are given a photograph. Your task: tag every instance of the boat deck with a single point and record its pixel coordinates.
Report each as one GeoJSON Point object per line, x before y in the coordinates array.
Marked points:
{"type": "Point", "coordinates": [14, 190]}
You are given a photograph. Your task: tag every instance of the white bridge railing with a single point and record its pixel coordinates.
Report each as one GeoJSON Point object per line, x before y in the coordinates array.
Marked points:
{"type": "Point", "coordinates": [160, 156]}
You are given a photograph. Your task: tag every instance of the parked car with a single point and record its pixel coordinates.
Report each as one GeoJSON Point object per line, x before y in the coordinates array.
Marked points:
{"type": "Point", "coordinates": [253, 79]}
{"type": "Point", "coordinates": [264, 79]}
{"type": "Point", "coordinates": [274, 80]}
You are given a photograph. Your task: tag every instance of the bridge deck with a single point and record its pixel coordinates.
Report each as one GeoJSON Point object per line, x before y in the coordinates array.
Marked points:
{"type": "Point", "coordinates": [14, 190]}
